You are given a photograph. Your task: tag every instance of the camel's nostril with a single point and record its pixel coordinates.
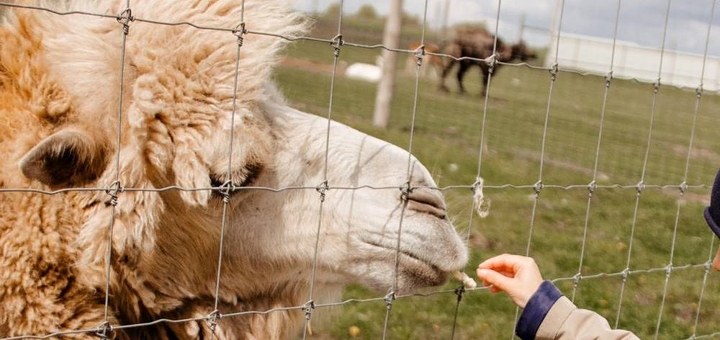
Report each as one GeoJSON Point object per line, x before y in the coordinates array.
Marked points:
{"type": "Point", "coordinates": [426, 200]}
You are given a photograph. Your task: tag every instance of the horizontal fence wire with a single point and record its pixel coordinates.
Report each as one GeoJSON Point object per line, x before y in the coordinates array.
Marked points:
{"type": "Point", "coordinates": [470, 187]}
{"type": "Point", "coordinates": [338, 42]}
{"type": "Point", "coordinates": [334, 40]}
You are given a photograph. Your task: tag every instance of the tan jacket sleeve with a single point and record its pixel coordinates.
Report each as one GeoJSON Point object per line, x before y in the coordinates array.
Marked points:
{"type": "Point", "coordinates": [565, 321]}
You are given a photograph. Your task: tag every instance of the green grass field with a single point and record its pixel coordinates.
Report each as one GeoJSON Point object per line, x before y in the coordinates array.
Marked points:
{"type": "Point", "coordinates": [447, 139]}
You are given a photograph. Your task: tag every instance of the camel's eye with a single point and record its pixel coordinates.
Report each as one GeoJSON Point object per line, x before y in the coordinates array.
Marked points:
{"type": "Point", "coordinates": [240, 178]}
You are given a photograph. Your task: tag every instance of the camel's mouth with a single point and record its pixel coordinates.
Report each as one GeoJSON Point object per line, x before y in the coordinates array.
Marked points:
{"type": "Point", "coordinates": [411, 267]}
{"type": "Point", "coordinates": [414, 272]}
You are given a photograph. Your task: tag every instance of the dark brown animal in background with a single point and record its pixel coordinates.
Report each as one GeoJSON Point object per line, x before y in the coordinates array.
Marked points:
{"type": "Point", "coordinates": [478, 44]}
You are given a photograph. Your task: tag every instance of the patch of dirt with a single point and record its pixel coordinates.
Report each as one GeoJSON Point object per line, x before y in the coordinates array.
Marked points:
{"type": "Point", "coordinates": [697, 153]}
{"type": "Point", "coordinates": [690, 197]}
{"type": "Point", "coordinates": [560, 164]}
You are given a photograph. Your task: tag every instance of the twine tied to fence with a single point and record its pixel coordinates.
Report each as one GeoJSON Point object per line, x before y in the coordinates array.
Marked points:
{"type": "Point", "coordinates": [482, 204]}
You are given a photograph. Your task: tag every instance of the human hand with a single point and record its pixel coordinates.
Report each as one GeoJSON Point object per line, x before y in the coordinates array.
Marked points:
{"type": "Point", "coordinates": [518, 276]}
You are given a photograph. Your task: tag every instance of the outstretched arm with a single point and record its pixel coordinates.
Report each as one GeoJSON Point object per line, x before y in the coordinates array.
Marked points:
{"type": "Point", "coordinates": [547, 314]}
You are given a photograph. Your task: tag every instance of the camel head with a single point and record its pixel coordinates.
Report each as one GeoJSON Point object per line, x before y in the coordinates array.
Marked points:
{"type": "Point", "coordinates": [381, 222]}
{"type": "Point", "coordinates": [200, 158]}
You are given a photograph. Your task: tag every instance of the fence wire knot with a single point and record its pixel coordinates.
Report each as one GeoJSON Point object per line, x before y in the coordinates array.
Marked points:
{"type": "Point", "coordinates": [308, 308]}
{"type": "Point", "coordinates": [608, 78]}
{"type": "Point", "coordinates": [625, 274]}
{"type": "Point", "coordinates": [104, 329]}
{"type": "Point", "coordinates": [213, 319]}
{"type": "Point", "coordinates": [491, 61]}
{"type": "Point", "coordinates": [639, 187]}
{"type": "Point", "coordinates": [389, 298]}
{"type": "Point", "coordinates": [226, 189]}
{"type": "Point", "coordinates": [683, 187]}
{"type": "Point", "coordinates": [419, 53]}
{"type": "Point", "coordinates": [337, 41]}
{"type": "Point", "coordinates": [707, 266]}
{"type": "Point", "coordinates": [537, 187]}
{"type": "Point", "coordinates": [124, 18]}
{"type": "Point", "coordinates": [576, 279]}
{"type": "Point", "coordinates": [591, 188]}
{"type": "Point", "coordinates": [656, 85]}
{"type": "Point", "coordinates": [405, 190]}
{"type": "Point", "coordinates": [668, 270]}
{"type": "Point", "coordinates": [699, 90]}
{"type": "Point", "coordinates": [322, 188]}
{"type": "Point", "coordinates": [553, 71]}
{"type": "Point", "coordinates": [113, 190]}
{"type": "Point", "coordinates": [239, 31]}
{"type": "Point", "coordinates": [459, 291]}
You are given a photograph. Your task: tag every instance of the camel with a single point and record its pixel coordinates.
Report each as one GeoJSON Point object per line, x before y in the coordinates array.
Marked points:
{"type": "Point", "coordinates": [81, 200]}
{"type": "Point", "coordinates": [478, 44]}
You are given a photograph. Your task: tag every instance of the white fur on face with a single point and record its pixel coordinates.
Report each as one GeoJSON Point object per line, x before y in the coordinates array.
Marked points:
{"type": "Point", "coordinates": [361, 214]}
{"type": "Point", "coordinates": [271, 234]}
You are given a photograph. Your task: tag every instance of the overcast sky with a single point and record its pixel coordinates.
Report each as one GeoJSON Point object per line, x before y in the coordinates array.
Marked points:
{"type": "Point", "coordinates": [640, 21]}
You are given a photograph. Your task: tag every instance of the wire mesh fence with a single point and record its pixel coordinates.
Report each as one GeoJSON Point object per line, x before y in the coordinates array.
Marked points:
{"type": "Point", "coordinates": [613, 172]}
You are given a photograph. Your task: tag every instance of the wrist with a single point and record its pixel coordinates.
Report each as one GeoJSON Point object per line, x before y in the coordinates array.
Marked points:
{"type": "Point", "coordinates": [528, 294]}
{"type": "Point", "coordinates": [536, 309]}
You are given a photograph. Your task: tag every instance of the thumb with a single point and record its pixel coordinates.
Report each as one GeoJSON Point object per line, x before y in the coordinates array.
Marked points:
{"type": "Point", "coordinates": [494, 278]}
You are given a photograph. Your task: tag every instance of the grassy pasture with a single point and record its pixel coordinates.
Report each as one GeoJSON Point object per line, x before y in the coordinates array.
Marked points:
{"type": "Point", "coordinates": [668, 227]}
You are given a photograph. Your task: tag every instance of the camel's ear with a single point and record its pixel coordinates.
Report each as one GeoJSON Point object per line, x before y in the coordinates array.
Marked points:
{"type": "Point", "coordinates": [66, 158]}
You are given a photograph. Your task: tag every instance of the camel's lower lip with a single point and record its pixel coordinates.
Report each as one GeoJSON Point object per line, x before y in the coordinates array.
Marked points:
{"type": "Point", "coordinates": [413, 271]}
{"type": "Point", "coordinates": [420, 273]}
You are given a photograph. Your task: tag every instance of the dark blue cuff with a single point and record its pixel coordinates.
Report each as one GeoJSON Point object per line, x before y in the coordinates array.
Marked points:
{"type": "Point", "coordinates": [536, 309]}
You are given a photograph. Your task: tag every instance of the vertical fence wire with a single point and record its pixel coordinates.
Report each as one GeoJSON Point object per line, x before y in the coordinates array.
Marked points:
{"type": "Point", "coordinates": [228, 186]}
{"type": "Point", "coordinates": [708, 265]}
{"type": "Point", "coordinates": [407, 188]}
{"type": "Point", "coordinates": [483, 121]}
{"type": "Point", "coordinates": [492, 65]}
{"type": "Point", "coordinates": [593, 185]}
{"type": "Point", "coordinates": [538, 186]}
{"type": "Point", "coordinates": [641, 183]}
{"type": "Point", "coordinates": [323, 187]}
{"type": "Point", "coordinates": [683, 184]}
{"type": "Point", "coordinates": [115, 188]}
{"type": "Point", "coordinates": [416, 93]}
{"type": "Point", "coordinates": [487, 88]}
{"type": "Point", "coordinates": [460, 291]}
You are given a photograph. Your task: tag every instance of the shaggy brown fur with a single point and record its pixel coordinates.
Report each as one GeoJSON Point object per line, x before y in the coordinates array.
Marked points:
{"type": "Point", "coordinates": [59, 92]}
{"type": "Point", "coordinates": [46, 284]}
{"type": "Point", "coordinates": [37, 232]}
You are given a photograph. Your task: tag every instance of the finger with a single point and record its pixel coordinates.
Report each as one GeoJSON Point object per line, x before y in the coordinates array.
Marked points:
{"type": "Point", "coordinates": [503, 273]}
{"type": "Point", "coordinates": [490, 287]}
{"type": "Point", "coordinates": [494, 278]}
{"type": "Point", "coordinates": [507, 274]}
{"type": "Point", "coordinates": [504, 262]}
